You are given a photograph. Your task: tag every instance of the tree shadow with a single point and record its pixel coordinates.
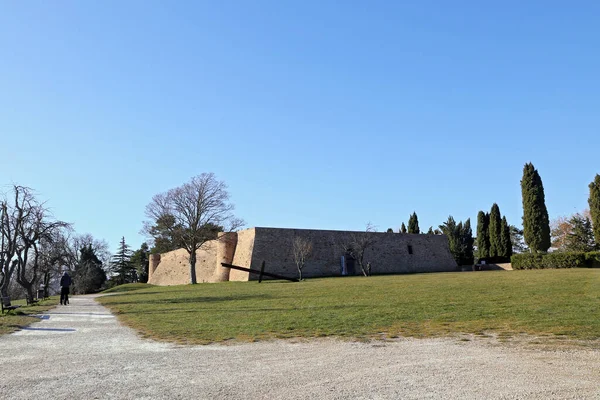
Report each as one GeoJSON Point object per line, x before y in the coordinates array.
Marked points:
{"type": "Point", "coordinates": [197, 299]}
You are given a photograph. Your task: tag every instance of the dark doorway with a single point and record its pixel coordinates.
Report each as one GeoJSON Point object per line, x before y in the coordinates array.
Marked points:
{"type": "Point", "coordinates": [350, 264]}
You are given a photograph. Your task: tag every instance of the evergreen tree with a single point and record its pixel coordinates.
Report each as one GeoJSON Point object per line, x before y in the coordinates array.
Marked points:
{"type": "Point", "coordinates": [495, 229]}
{"type": "Point", "coordinates": [483, 235]}
{"type": "Point", "coordinates": [89, 275]}
{"type": "Point", "coordinates": [452, 231]}
{"type": "Point", "coordinates": [403, 228]}
{"type": "Point", "coordinates": [139, 260]}
{"type": "Point", "coordinates": [581, 236]}
{"type": "Point", "coordinates": [467, 242]}
{"type": "Point", "coordinates": [390, 230]}
{"type": "Point", "coordinates": [594, 202]}
{"type": "Point", "coordinates": [413, 223]}
{"type": "Point", "coordinates": [516, 238]}
{"type": "Point", "coordinates": [430, 231]}
{"type": "Point", "coordinates": [460, 240]}
{"type": "Point", "coordinates": [536, 226]}
{"type": "Point", "coordinates": [121, 266]}
{"type": "Point", "coordinates": [505, 241]}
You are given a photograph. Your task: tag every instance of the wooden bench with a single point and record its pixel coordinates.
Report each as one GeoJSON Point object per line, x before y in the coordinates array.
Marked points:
{"type": "Point", "coordinates": [7, 306]}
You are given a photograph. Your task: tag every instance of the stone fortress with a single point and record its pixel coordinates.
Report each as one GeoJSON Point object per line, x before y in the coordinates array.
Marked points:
{"type": "Point", "coordinates": [391, 253]}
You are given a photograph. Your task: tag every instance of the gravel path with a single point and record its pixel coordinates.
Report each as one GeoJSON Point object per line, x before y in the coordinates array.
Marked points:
{"type": "Point", "coordinates": [80, 351]}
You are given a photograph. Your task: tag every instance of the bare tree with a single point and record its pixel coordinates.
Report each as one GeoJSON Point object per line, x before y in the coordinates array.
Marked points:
{"type": "Point", "coordinates": [196, 208]}
{"type": "Point", "coordinates": [356, 244]}
{"type": "Point", "coordinates": [26, 223]}
{"type": "Point", "coordinates": [301, 249]}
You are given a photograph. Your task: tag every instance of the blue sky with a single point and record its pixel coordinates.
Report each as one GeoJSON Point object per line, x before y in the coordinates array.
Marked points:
{"type": "Point", "coordinates": [317, 114]}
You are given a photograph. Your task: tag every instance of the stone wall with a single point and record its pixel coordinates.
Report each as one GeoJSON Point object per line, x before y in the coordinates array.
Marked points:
{"type": "Point", "coordinates": [243, 254]}
{"type": "Point", "coordinates": [389, 254]}
{"type": "Point", "coordinates": [174, 266]}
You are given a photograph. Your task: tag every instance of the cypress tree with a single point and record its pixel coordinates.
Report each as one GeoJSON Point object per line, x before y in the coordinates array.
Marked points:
{"type": "Point", "coordinates": [594, 202]}
{"type": "Point", "coordinates": [495, 232]}
{"type": "Point", "coordinates": [483, 235]}
{"type": "Point", "coordinates": [403, 228]}
{"type": "Point", "coordinates": [413, 223]}
{"type": "Point", "coordinates": [506, 243]}
{"type": "Point", "coordinates": [467, 243]}
{"type": "Point", "coordinates": [536, 226]}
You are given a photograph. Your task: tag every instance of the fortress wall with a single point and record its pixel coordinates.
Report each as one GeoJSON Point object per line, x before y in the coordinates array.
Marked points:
{"type": "Point", "coordinates": [243, 254]}
{"type": "Point", "coordinates": [389, 254]}
{"type": "Point", "coordinates": [174, 267]}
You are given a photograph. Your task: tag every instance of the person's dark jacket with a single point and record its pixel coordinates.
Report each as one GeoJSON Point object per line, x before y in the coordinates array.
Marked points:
{"type": "Point", "coordinates": [65, 281]}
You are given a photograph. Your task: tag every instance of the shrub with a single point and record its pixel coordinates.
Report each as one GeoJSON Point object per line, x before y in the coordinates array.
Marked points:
{"type": "Point", "coordinates": [592, 259]}
{"type": "Point", "coordinates": [556, 260]}
{"type": "Point", "coordinates": [563, 260]}
{"type": "Point", "coordinates": [526, 261]}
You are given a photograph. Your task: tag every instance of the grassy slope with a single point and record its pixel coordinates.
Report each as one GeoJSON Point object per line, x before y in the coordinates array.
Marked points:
{"type": "Point", "coordinates": [12, 321]}
{"type": "Point", "coordinates": [540, 302]}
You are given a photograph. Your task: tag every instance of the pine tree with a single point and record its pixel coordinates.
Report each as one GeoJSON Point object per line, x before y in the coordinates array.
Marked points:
{"type": "Point", "coordinates": [594, 202]}
{"type": "Point", "coordinates": [581, 237]}
{"type": "Point", "coordinates": [430, 231]}
{"type": "Point", "coordinates": [505, 242]}
{"type": "Point", "coordinates": [139, 260]}
{"type": "Point", "coordinates": [403, 228]}
{"type": "Point", "coordinates": [121, 265]}
{"type": "Point", "coordinates": [413, 223]}
{"type": "Point", "coordinates": [536, 226]}
{"type": "Point", "coordinates": [495, 229]}
{"type": "Point", "coordinates": [89, 275]}
{"type": "Point", "coordinates": [483, 235]}
{"type": "Point", "coordinates": [452, 231]}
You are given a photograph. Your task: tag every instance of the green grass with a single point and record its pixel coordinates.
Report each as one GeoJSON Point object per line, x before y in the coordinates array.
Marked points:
{"type": "Point", "coordinates": [128, 287]}
{"type": "Point", "coordinates": [25, 315]}
{"type": "Point", "coordinates": [556, 303]}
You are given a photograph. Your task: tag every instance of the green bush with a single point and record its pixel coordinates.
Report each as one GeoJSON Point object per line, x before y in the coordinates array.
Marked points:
{"type": "Point", "coordinates": [526, 261]}
{"type": "Point", "coordinates": [556, 260]}
{"type": "Point", "coordinates": [563, 260]}
{"type": "Point", "coordinates": [592, 259]}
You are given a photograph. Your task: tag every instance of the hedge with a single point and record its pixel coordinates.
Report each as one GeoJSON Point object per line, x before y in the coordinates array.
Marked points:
{"type": "Point", "coordinates": [556, 260]}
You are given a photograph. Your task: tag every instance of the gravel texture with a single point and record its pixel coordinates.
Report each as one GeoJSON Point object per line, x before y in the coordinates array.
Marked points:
{"type": "Point", "coordinates": [80, 351]}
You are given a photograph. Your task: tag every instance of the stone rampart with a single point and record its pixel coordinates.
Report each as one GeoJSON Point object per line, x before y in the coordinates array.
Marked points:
{"type": "Point", "coordinates": [391, 253]}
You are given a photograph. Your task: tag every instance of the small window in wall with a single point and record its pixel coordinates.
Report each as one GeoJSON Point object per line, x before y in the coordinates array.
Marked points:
{"type": "Point", "coordinates": [410, 250]}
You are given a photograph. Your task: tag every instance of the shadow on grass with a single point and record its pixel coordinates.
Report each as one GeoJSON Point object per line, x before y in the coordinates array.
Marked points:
{"type": "Point", "coordinates": [244, 309]}
{"type": "Point", "coordinates": [196, 299]}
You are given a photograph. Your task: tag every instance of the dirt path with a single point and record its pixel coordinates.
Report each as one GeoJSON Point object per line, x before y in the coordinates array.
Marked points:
{"type": "Point", "coordinates": [80, 351]}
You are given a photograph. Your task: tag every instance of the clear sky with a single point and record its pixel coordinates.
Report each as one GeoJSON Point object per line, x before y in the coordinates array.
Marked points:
{"type": "Point", "coordinates": [317, 114]}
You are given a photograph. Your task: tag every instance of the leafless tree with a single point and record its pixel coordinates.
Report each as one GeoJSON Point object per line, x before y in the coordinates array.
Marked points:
{"type": "Point", "coordinates": [301, 249]}
{"type": "Point", "coordinates": [357, 243]}
{"type": "Point", "coordinates": [26, 223]}
{"type": "Point", "coordinates": [196, 208]}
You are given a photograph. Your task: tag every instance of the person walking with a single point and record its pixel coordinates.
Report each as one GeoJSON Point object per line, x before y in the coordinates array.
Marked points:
{"type": "Point", "coordinates": [65, 282]}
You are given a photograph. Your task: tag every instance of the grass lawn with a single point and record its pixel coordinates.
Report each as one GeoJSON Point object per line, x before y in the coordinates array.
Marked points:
{"type": "Point", "coordinates": [23, 316]}
{"type": "Point", "coordinates": [557, 303]}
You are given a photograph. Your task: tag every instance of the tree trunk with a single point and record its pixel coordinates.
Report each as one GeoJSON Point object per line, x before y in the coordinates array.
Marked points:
{"type": "Point", "coordinates": [46, 283]}
{"type": "Point", "coordinates": [193, 267]}
{"type": "Point", "coordinates": [10, 267]}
